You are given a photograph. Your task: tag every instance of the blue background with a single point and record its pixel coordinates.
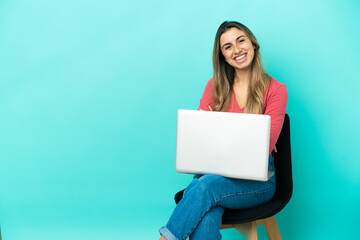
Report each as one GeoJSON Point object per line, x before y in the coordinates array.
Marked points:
{"type": "Point", "coordinates": [89, 96]}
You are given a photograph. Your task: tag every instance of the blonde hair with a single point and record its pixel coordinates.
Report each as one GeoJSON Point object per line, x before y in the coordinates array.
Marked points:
{"type": "Point", "coordinates": [224, 74]}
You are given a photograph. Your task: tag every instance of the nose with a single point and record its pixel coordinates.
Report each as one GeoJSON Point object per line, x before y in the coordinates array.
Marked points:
{"type": "Point", "coordinates": [237, 49]}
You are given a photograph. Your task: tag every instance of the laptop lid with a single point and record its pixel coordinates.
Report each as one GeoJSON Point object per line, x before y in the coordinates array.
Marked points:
{"type": "Point", "coordinates": [234, 145]}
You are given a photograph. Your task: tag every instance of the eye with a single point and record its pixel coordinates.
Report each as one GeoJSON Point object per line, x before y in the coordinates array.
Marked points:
{"type": "Point", "coordinates": [227, 47]}
{"type": "Point", "coordinates": [242, 40]}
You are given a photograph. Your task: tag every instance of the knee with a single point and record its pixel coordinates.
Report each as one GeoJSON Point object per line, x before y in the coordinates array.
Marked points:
{"type": "Point", "coordinates": [210, 182]}
{"type": "Point", "coordinates": [207, 186]}
{"type": "Point", "coordinates": [191, 186]}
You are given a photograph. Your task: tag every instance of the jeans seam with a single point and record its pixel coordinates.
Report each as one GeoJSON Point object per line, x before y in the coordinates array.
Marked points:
{"type": "Point", "coordinates": [242, 193]}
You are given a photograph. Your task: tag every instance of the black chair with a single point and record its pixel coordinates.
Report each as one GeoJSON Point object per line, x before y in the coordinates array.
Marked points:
{"type": "Point", "coordinates": [246, 220]}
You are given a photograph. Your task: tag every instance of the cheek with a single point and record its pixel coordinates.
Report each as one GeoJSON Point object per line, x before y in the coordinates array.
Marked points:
{"type": "Point", "coordinates": [229, 56]}
{"type": "Point", "coordinates": [252, 53]}
{"type": "Point", "coordinates": [226, 56]}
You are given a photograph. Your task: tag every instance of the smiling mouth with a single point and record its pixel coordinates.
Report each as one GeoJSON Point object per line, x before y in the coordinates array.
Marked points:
{"type": "Point", "coordinates": [240, 58]}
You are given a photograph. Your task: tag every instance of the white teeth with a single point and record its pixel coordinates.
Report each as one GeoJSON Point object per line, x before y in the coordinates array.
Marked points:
{"type": "Point", "coordinates": [239, 58]}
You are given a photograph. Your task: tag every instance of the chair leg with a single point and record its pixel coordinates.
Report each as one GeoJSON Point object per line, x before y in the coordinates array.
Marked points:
{"type": "Point", "coordinates": [272, 228]}
{"type": "Point", "coordinates": [248, 230]}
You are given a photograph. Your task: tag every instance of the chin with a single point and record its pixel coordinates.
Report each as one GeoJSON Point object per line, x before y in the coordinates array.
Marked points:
{"type": "Point", "coordinates": [242, 67]}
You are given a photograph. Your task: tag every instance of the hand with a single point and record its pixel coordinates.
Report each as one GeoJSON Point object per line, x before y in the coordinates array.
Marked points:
{"type": "Point", "coordinates": [204, 110]}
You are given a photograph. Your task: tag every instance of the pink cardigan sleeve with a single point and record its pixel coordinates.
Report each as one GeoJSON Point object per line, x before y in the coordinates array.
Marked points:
{"type": "Point", "coordinates": [275, 107]}
{"type": "Point", "coordinates": [207, 98]}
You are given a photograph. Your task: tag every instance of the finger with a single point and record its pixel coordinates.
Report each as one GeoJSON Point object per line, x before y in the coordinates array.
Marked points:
{"type": "Point", "coordinates": [210, 108]}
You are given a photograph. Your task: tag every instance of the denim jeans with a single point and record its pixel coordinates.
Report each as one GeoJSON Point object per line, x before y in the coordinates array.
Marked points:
{"type": "Point", "coordinates": [200, 211]}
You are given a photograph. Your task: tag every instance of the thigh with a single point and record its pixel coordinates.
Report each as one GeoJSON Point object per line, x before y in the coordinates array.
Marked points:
{"type": "Point", "coordinates": [237, 193]}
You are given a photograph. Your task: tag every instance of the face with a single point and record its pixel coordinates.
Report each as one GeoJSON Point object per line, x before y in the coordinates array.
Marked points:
{"type": "Point", "coordinates": [237, 48]}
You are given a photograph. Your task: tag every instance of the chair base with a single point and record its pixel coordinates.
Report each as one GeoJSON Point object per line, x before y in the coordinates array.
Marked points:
{"type": "Point", "coordinates": [250, 232]}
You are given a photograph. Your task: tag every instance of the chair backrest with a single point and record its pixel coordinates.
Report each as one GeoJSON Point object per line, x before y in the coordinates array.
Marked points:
{"type": "Point", "coordinates": [284, 181]}
{"type": "Point", "coordinates": [284, 184]}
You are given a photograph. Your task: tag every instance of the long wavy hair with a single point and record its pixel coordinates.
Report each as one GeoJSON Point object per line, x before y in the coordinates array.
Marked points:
{"type": "Point", "coordinates": [224, 74]}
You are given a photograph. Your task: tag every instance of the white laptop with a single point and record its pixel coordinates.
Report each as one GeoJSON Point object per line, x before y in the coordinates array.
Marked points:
{"type": "Point", "coordinates": [234, 145]}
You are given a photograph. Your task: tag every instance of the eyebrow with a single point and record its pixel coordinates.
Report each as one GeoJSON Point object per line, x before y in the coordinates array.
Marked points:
{"type": "Point", "coordinates": [236, 40]}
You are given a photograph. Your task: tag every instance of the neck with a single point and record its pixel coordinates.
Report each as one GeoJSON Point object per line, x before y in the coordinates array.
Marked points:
{"type": "Point", "coordinates": [242, 76]}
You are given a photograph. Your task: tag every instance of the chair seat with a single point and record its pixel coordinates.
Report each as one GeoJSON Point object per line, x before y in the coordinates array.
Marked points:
{"type": "Point", "coordinates": [250, 214]}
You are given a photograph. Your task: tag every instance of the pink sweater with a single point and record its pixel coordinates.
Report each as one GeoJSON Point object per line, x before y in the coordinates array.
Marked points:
{"type": "Point", "coordinates": [274, 105]}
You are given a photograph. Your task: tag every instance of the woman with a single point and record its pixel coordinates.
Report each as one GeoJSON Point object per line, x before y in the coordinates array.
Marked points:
{"type": "Point", "coordinates": [240, 85]}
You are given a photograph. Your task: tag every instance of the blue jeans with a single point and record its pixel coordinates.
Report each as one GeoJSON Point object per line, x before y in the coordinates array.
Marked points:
{"type": "Point", "coordinates": [200, 211]}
